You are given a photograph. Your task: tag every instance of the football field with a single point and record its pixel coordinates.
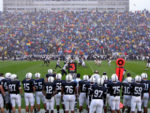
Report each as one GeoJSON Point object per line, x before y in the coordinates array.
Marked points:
{"type": "Point", "coordinates": [22, 67]}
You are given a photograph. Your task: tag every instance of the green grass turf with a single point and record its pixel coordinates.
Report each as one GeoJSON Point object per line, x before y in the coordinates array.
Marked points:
{"type": "Point", "coordinates": [22, 67]}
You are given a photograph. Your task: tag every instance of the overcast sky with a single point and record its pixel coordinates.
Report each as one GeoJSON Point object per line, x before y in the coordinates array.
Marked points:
{"type": "Point", "coordinates": [134, 5]}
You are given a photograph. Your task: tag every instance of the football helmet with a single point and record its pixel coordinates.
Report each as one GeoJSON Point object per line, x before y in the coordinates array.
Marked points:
{"type": "Point", "coordinates": [144, 75]}
{"type": "Point", "coordinates": [58, 76]}
{"type": "Point", "coordinates": [105, 77]}
{"type": "Point", "coordinates": [85, 77]}
{"type": "Point", "coordinates": [69, 78]}
{"type": "Point", "coordinates": [50, 71]}
{"type": "Point", "coordinates": [13, 76]}
{"type": "Point", "coordinates": [114, 78]}
{"type": "Point", "coordinates": [37, 75]}
{"type": "Point", "coordinates": [129, 79]}
{"type": "Point", "coordinates": [92, 80]}
{"type": "Point", "coordinates": [7, 75]}
{"type": "Point", "coordinates": [51, 79]}
{"type": "Point", "coordinates": [29, 75]}
{"type": "Point", "coordinates": [138, 78]}
{"type": "Point", "coordinates": [100, 81]}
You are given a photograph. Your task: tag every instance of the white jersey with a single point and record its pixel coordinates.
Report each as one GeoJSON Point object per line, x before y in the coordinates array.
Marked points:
{"type": "Point", "coordinates": [96, 76]}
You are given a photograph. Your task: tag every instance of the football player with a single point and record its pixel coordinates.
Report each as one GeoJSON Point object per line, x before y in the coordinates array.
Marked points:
{"type": "Point", "coordinates": [98, 94]}
{"type": "Point", "coordinates": [49, 91]}
{"type": "Point", "coordinates": [148, 63]}
{"type": "Point", "coordinates": [29, 89]}
{"type": "Point", "coordinates": [38, 83]}
{"type": "Point", "coordinates": [137, 93]}
{"type": "Point", "coordinates": [146, 91]}
{"type": "Point", "coordinates": [127, 94]}
{"type": "Point", "coordinates": [58, 83]}
{"type": "Point", "coordinates": [63, 70]}
{"type": "Point", "coordinates": [115, 87]}
{"type": "Point", "coordinates": [89, 88]}
{"type": "Point", "coordinates": [82, 92]}
{"type": "Point", "coordinates": [107, 99]}
{"type": "Point", "coordinates": [58, 64]}
{"type": "Point", "coordinates": [14, 87]}
{"type": "Point", "coordinates": [69, 92]}
{"type": "Point", "coordinates": [2, 93]}
{"type": "Point", "coordinates": [4, 83]}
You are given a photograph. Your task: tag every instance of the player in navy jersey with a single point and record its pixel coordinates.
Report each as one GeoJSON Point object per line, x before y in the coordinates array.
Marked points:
{"type": "Point", "coordinates": [29, 89]}
{"type": "Point", "coordinates": [7, 95]}
{"type": "Point", "coordinates": [146, 91]}
{"type": "Point", "coordinates": [49, 91]}
{"type": "Point", "coordinates": [126, 92]}
{"type": "Point", "coordinates": [69, 92]}
{"type": "Point", "coordinates": [14, 87]}
{"type": "Point", "coordinates": [89, 89]}
{"type": "Point", "coordinates": [98, 93]}
{"type": "Point", "coordinates": [107, 99]}
{"type": "Point", "coordinates": [2, 93]}
{"type": "Point", "coordinates": [58, 83]}
{"type": "Point", "coordinates": [82, 92]}
{"type": "Point", "coordinates": [50, 74]}
{"type": "Point", "coordinates": [148, 63]}
{"type": "Point", "coordinates": [115, 88]}
{"type": "Point", "coordinates": [38, 83]}
{"type": "Point", "coordinates": [137, 94]}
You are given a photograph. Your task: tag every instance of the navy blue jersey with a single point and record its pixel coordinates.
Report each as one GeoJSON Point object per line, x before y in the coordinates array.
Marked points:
{"type": "Point", "coordinates": [58, 85]}
{"type": "Point", "coordinates": [148, 60]}
{"type": "Point", "coordinates": [114, 88]}
{"type": "Point", "coordinates": [98, 92]}
{"type": "Point", "coordinates": [14, 87]}
{"type": "Point", "coordinates": [28, 85]}
{"type": "Point", "coordinates": [38, 83]}
{"type": "Point", "coordinates": [69, 87]}
{"type": "Point", "coordinates": [4, 83]}
{"type": "Point", "coordinates": [49, 89]}
{"type": "Point", "coordinates": [82, 86]}
{"type": "Point", "coordinates": [146, 86]}
{"type": "Point", "coordinates": [106, 82]}
{"type": "Point", "coordinates": [50, 75]}
{"type": "Point", "coordinates": [126, 88]}
{"type": "Point", "coordinates": [89, 88]}
{"type": "Point", "coordinates": [137, 89]}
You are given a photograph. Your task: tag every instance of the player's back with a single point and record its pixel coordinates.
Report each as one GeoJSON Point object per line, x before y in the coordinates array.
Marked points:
{"type": "Point", "coordinates": [146, 84]}
{"type": "Point", "coordinates": [114, 88]}
{"type": "Point", "coordinates": [126, 88]}
{"type": "Point", "coordinates": [28, 85]}
{"type": "Point", "coordinates": [14, 86]}
{"type": "Point", "coordinates": [69, 88]}
{"type": "Point", "coordinates": [82, 86]}
{"type": "Point", "coordinates": [38, 83]}
{"type": "Point", "coordinates": [58, 85]}
{"type": "Point", "coordinates": [137, 89]}
{"type": "Point", "coordinates": [4, 83]}
{"type": "Point", "coordinates": [49, 88]}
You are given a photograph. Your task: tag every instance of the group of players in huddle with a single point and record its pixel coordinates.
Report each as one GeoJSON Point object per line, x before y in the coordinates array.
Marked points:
{"type": "Point", "coordinates": [97, 92]}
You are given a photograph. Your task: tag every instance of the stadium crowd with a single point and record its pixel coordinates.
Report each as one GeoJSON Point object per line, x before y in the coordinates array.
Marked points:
{"type": "Point", "coordinates": [75, 33]}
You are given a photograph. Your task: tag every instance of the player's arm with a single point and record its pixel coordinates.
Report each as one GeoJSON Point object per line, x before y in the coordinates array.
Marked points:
{"type": "Point", "coordinates": [2, 90]}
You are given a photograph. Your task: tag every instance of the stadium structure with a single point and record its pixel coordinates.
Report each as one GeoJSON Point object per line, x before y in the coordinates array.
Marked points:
{"type": "Point", "coordinates": [66, 5]}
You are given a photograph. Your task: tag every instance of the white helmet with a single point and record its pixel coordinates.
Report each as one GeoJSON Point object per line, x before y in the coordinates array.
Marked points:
{"type": "Point", "coordinates": [50, 71]}
{"type": "Point", "coordinates": [29, 75]}
{"type": "Point", "coordinates": [7, 75]}
{"type": "Point", "coordinates": [85, 77]}
{"type": "Point", "coordinates": [144, 75]}
{"type": "Point", "coordinates": [69, 78]}
{"type": "Point", "coordinates": [58, 76]}
{"type": "Point", "coordinates": [13, 76]}
{"type": "Point", "coordinates": [138, 78]}
{"type": "Point", "coordinates": [114, 77]}
{"type": "Point", "coordinates": [100, 81]}
{"type": "Point", "coordinates": [51, 79]}
{"type": "Point", "coordinates": [92, 79]}
{"type": "Point", "coordinates": [37, 75]}
{"type": "Point", "coordinates": [129, 79]}
{"type": "Point", "coordinates": [105, 77]}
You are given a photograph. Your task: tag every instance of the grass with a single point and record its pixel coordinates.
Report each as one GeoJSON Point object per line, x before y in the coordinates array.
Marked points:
{"type": "Point", "coordinates": [22, 67]}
